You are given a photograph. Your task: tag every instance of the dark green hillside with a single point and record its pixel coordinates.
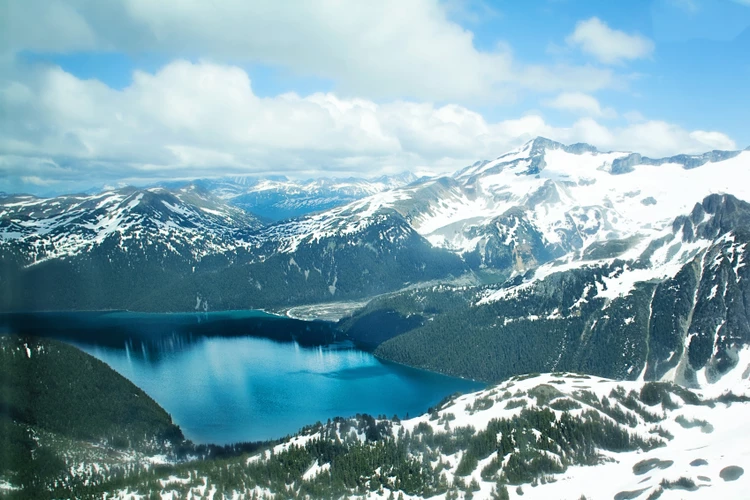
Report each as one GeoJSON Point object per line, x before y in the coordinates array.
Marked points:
{"type": "Point", "coordinates": [562, 324]}
{"type": "Point", "coordinates": [504, 338]}
{"type": "Point", "coordinates": [58, 388]}
{"type": "Point", "coordinates": [53, 395]}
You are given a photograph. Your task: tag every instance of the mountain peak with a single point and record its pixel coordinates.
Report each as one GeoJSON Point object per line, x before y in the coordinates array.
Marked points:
{"type": "Point", "coordinates": [530, 156]}
{"type": "Point", "coordinates": [540, 144]}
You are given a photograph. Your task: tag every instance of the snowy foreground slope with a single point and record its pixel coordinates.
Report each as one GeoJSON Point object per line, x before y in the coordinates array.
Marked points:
{"type": "Point", "coordinates": [551, 436]}
{"type": "Point", "coordinates": [713, 434]}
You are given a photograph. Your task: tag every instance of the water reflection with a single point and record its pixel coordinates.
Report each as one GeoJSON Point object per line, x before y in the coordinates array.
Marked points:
{"type": "Point", "coordinates": [221, 385]}
{"type": "Point", "coordinates": [152, 336]}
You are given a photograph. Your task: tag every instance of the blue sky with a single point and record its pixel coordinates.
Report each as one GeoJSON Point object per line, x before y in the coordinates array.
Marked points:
{"type": "Point", "coordinates": [132, 91]}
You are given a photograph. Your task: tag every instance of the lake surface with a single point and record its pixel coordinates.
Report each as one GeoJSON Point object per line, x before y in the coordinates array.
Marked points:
{"type": "Point", "coordinates": [222, 382]}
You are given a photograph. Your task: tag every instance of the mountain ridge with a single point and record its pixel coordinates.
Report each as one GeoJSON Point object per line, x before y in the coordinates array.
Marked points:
{"type": "Point", "coordinates": [501, 219]}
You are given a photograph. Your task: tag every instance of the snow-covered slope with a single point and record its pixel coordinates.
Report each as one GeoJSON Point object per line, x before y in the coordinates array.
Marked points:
{"type": "Point", "coordinates": [546, 200]}
{"type": "Point", "coordinates": [186, 222]}
{"type": "Point", "coordinates": [576, 196]}
{"type": "Point", "coordinates": [342, 221]}
{"type": "Point", "coordinates": [672, 443]}
{"type": "Point", "coordinates": [690, 434]}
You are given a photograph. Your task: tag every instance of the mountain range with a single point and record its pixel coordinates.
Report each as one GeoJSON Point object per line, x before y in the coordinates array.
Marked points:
{"type": "Point", "coordinates": [582, 251]}
{"type": "Point", "coordinates": [495, 219]}
{"type": "Point", "coordinates": [277, 197]}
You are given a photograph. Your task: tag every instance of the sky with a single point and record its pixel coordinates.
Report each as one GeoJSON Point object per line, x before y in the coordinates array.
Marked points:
{"type": "Point", "coordinates": [124, 92]}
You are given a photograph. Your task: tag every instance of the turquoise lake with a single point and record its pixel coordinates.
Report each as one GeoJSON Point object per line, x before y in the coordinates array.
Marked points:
{"type": "Point", "coordinates": [223, 382]}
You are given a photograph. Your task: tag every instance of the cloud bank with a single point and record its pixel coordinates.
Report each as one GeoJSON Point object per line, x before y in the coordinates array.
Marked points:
{"type": "Point", "coordinates": [410, 87]}
{"type": "Point", "coordinates": [203, 119]}
{"type": "Point", "coordinates": [381, 49]}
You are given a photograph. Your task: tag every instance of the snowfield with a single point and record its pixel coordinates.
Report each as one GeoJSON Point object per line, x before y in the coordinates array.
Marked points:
{"type": "Point", "coordinates": [705, 450]}
{"type": "Point", "coordinates": [706, 442]}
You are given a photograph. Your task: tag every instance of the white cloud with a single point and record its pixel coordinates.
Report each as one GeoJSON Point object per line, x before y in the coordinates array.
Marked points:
{"type": "Point", "coordinates": [608, 45]}
{"type": "Point", "coordinates": [713, 140]}
{"type": "Point", "coordinates": [655, 138]}
{"type": "Point", "coordinates": [203, 119]}
{"type": "Point", "coordinates": [634, 116]}
{"type": "Point", "coordinates": [381, 49]}
{"type": "Point", "coordinates": [578, 102]}
{"type": "Point", "coordinates": [35, 180]}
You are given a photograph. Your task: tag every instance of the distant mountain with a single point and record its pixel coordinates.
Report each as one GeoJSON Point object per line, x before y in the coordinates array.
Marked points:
{"type": "Point", "coordinates": [188, 223]}
{"type": "Point", "coordinates": [111, 249]}
{"type": "Point", "coordinates": [278, 198]}
{"type": "Point", "coordinates": [183, 249]}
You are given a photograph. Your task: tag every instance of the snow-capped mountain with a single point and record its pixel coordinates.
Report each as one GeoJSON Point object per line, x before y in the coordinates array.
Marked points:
{"type": "Point", "coordinates": [545, 200]}
{"type": "Point", "coordinates": [278, 197]}
{"type": "Point", "coordinates": [178, 249]}
{"type": "Point", "coordinates": [671, 308]}
{"type": "Point", "coordinates": [186, 222]}
{"type": "Point", "coordinates": [543, 204]}
{"type": "Point", "coordinates": [114, 249]}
